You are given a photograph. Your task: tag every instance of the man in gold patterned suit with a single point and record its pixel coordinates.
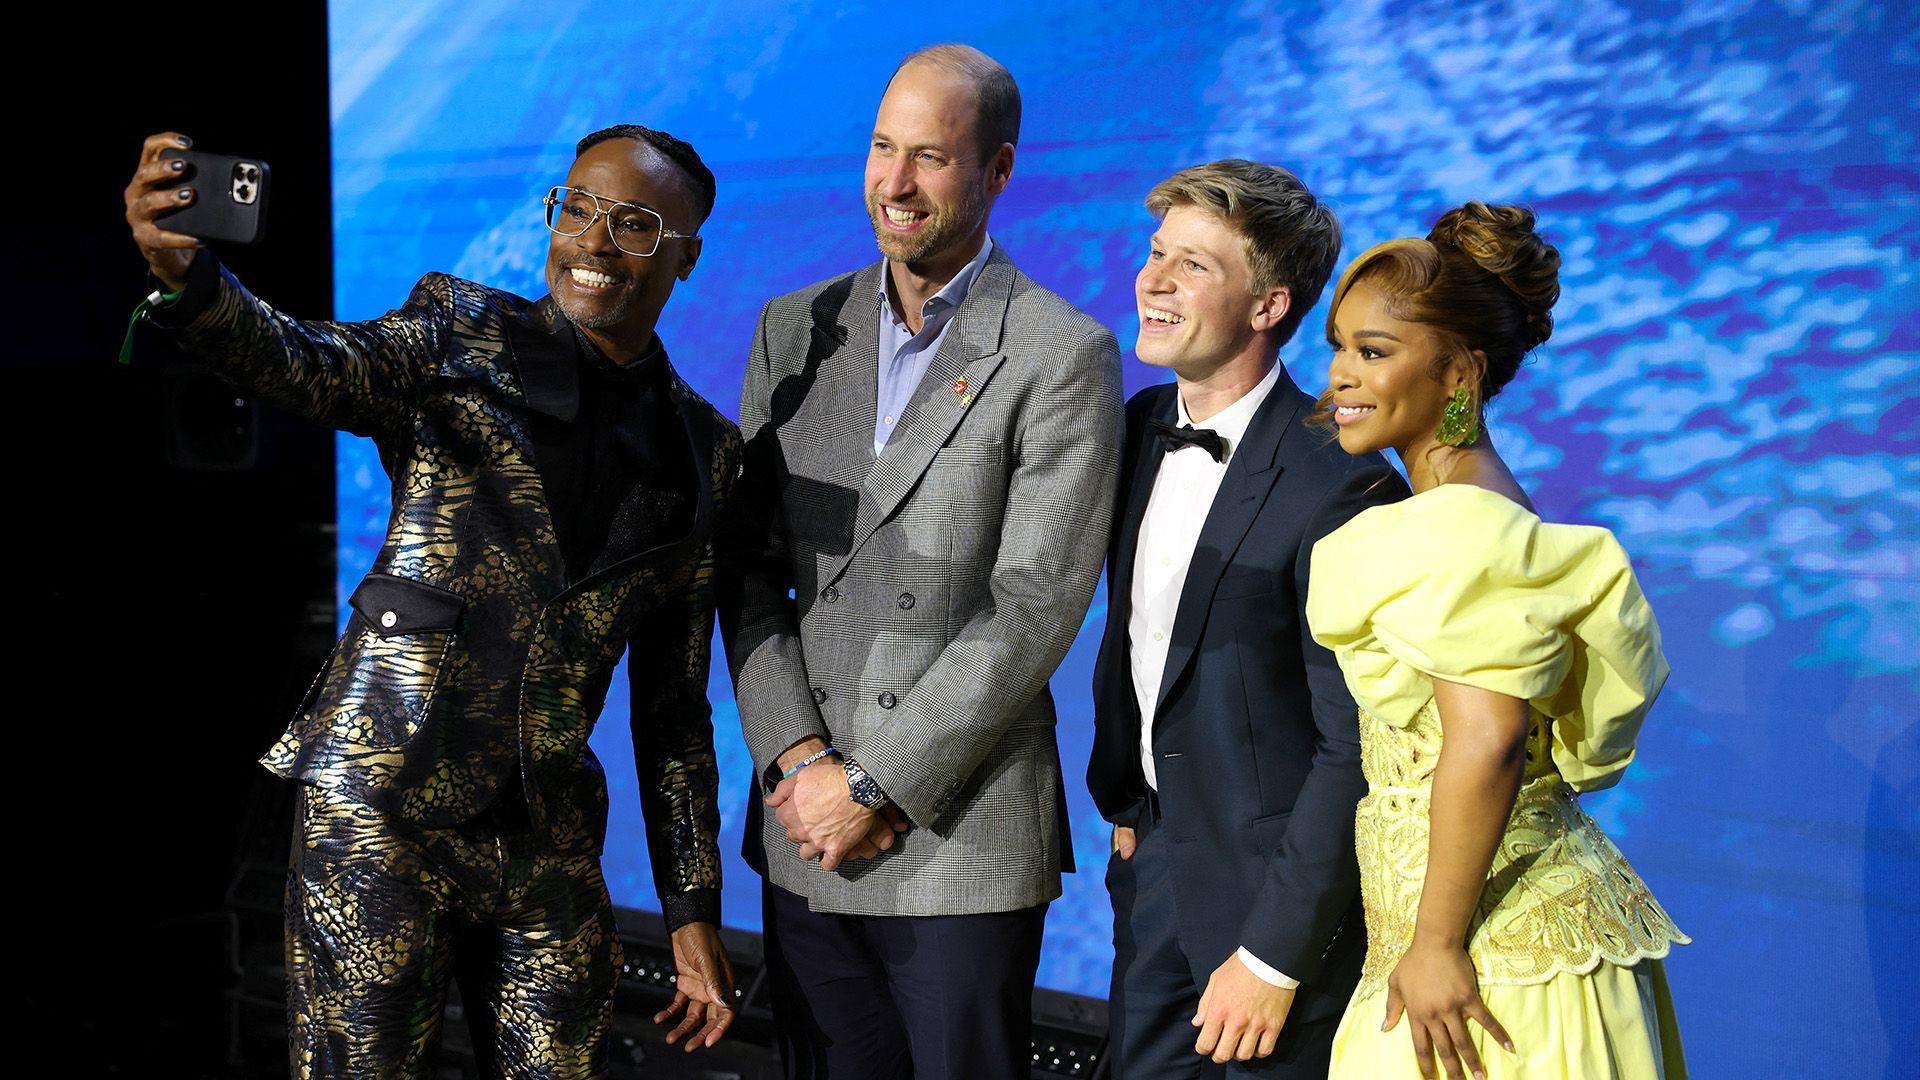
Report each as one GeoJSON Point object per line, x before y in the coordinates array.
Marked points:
{"type": "Point", "coordinates": [555, 487]}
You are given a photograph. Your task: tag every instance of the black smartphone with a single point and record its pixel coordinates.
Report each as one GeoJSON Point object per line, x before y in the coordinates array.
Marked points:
{"type": "Point", "coordinates": [230, 201]}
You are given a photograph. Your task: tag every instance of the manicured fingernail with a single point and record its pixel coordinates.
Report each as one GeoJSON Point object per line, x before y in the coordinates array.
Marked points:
{"type": "Point", "coordinates": [1509, 1046]}
{"type": "Point", "coordinates": [184, 141]}
{"type": "Point", "coordinates": [186, 193]}
{"type": "Point", "coordinates": [177, 165]}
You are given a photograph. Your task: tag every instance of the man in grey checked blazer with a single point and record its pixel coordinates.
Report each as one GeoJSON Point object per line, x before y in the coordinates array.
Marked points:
{"type": "Point", "coordinates": [934, 539]}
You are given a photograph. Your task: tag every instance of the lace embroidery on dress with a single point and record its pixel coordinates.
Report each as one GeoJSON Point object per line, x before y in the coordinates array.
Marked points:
{"type": "Point", "coordinates": [1559, 896]}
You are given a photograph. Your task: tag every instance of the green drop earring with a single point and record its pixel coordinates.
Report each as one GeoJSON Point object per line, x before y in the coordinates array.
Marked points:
{"type": "Point", "coordinates": [1459, 426]}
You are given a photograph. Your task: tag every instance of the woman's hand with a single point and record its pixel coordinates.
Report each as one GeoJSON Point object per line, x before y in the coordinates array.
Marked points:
{"type": "Point", "coordinates": [1435, 987]}
{"type": "Point", "coordinates": [1482, 759]}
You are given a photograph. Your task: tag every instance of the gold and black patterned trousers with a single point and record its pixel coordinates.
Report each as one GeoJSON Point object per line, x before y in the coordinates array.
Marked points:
{"type": "Point", "coordinates": [374, 908]}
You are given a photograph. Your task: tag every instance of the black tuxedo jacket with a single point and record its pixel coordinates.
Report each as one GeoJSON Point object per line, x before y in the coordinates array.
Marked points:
{"type": "Point", "coordinates": [1256, 742]}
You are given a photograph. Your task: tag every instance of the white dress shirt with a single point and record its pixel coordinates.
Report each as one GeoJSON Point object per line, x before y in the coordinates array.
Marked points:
{"type": "Point", "coordinates": [1169, 530]}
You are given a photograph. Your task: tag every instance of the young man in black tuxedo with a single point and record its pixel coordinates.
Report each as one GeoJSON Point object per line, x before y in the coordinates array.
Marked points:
{"type": "Point", "coordinates": [1226, 748]}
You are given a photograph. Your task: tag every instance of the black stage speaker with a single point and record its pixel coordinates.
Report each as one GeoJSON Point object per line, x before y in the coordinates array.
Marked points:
{"type": "Point", "coordinates": [1069, 1036]}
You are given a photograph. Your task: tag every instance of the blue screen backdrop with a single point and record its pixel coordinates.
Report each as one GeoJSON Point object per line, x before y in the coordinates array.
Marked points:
{"type": "Point", "coordinates": [1733, 387]}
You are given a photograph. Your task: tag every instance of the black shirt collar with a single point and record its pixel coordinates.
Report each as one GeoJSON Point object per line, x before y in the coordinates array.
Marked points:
{"type": "Point", "coordinates": [644, 371]}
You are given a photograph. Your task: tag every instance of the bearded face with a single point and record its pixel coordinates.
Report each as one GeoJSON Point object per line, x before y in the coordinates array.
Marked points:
{"type": "Point", "coordinates": [919, 229]}
{"type": "Point", "coordinates": [928, 188]}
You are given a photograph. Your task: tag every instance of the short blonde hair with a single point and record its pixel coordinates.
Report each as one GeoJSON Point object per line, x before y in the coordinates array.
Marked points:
{"type": "Point", "coordinates": [1290, 237]}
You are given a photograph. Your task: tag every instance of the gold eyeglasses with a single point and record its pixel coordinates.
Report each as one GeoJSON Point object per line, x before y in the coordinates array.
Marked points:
{"type": "Point", "coordinates": [636, 230]}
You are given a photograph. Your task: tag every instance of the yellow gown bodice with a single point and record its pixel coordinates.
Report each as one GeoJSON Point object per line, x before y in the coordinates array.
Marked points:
{"type": "Point", "coordinates": [1559, 896]}
{"type": "Point", "coordinates": [1462, 584]}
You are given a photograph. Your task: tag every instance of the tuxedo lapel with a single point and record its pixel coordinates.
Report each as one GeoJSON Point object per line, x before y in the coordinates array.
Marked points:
{"type": "Point", "coordinates": [545, 358]}
{"type": "Point", "coordinates": [1147, 457]}
{"type": "Point", "coordinates": [959, 372]}
{"type": "Point", "coordinates": [1243, 491]}
{"type": "Point", "coordinates": [541, 351]}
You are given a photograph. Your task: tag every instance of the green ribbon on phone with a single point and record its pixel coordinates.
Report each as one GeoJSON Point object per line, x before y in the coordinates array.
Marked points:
{"type": "Point", "coordinates": [140, 311]}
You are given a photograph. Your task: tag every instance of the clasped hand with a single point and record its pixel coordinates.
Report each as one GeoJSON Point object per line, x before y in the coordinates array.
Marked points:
{"type": "Point", "coordinates": [816, 808]}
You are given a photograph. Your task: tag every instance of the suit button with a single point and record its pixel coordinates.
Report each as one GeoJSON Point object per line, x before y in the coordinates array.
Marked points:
{"type": "Point", "coordinates": [830, 594]}
{"type": "Point", "coordinates": [388, 618]}
{"type": "Point", "coordinates": [819, 696]}
{"type": "Point", "coordinates": [906, 601]}
{"type": "Point", "coordinates": [887, 700]}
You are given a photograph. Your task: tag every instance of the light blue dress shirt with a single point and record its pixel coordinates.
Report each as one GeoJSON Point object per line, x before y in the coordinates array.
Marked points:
{"type": "Point", "coordinates": [904, 355]}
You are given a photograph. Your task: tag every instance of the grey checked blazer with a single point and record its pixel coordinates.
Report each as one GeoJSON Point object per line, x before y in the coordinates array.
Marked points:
{"type": "Point", "coordinates": [934, 588]}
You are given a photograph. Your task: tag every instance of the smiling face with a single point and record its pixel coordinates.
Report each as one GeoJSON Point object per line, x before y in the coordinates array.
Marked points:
{"type": "Point", "coordinates": [928, 192]}
{"type": "Point", "coordinates": [1197, 304]}
{"type": "Point", "coordinates": [1389, 379]}
{"type": "Point", "coordinates": [616, 297]}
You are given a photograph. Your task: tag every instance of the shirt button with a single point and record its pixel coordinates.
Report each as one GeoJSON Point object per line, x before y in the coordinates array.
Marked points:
{"type": "Point", "coordinates": [1158, 636]}
{"type": "Point", "coordinates": [830, 594]}
{"type": "Point", "coordinates": [889, 419]}
{"type": "Point", "coordinates": [388, 618]}
{"type": "Point", "coordinates": [887, 700]}
{"type": "Point", "coordinates": [906, 601]}
{"type": "Point", "coordinates": [819, 696]}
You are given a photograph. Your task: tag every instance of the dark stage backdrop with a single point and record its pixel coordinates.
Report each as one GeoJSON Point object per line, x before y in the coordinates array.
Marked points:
{"type": "Point", "coordinates": [1732, 386]}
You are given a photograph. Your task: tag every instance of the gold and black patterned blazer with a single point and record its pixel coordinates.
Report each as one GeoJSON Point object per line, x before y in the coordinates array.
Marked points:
{"type": "Point", "coordinates": [468, 656]}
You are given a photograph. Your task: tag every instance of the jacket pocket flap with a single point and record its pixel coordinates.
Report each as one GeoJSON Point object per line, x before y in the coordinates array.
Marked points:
{"type": "Point", "coordinates": [396, 605]}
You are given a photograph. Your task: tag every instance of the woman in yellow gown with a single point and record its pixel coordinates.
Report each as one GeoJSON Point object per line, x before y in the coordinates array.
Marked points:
{"type": "Point", "coordinates": [1502, 665]}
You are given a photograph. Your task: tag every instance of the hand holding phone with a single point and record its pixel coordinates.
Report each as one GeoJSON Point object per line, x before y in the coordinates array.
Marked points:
{"type": "Point", "coordinates": [180, 198]}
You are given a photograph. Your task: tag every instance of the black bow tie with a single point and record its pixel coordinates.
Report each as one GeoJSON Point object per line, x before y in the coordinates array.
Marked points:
{"type": "Point", "coordinates": [1174, 438]}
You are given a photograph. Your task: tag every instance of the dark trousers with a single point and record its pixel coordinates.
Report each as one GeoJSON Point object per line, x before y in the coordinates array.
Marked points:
{"type": "Point", "coordinates": [382, 914]}
{"type": "Point", "coordinates": [1157, 983]}
{"type": "Point", "coordinates": [927, 997]}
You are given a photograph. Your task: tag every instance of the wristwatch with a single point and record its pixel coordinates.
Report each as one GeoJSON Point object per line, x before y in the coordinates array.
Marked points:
{"type": "Point", "coordinates": [861, 787]}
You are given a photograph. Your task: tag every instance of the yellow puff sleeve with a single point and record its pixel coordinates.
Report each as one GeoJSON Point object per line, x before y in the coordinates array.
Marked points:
{"type": "Point", "coordinates": [1462, 584]}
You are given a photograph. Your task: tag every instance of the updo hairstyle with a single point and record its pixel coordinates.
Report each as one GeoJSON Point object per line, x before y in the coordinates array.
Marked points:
{"type": "Point", "coordinates": [1483, 278]}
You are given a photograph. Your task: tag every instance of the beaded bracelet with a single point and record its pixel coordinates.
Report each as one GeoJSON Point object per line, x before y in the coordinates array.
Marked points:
{"type": "Point", "coordinates": [808, 760]}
